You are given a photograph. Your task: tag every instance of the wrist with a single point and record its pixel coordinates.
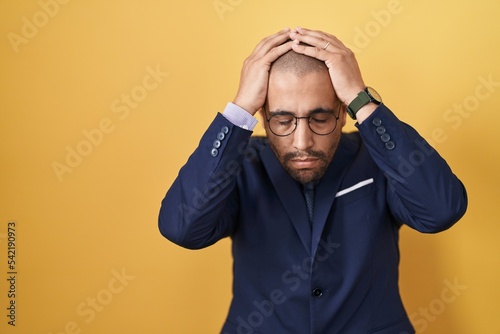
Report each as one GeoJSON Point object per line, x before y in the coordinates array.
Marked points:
{"type": "Point", "coordinates": [245, 106]}
{"type": "Point", "coordinates": [365, 112]}
{"type": "Point", "coordinates": [353, 95]}
{"type": "Point", "coordinates": [366, 101]}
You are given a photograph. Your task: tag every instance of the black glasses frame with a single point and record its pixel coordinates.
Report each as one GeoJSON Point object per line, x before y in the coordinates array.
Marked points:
{"type": "Point", "coordinates": [268, 119]}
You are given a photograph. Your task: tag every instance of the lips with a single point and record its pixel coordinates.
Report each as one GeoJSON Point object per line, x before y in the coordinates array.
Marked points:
{"type": "Point", "coordinates": [305, 163]}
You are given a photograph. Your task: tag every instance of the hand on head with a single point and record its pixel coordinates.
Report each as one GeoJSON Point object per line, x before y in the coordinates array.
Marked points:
{"type": "Point", "coordinates": [340, 61]}
{"type": "Point", "coordinates": [255, 72]}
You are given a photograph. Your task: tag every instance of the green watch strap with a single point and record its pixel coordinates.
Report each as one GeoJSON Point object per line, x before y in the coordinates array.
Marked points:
{"type": "Point", "coordinates": [362, 99]}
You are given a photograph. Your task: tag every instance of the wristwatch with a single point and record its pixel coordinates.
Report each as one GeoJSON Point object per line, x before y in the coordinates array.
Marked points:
{"type": "Point", "coordinates": [364, 97]}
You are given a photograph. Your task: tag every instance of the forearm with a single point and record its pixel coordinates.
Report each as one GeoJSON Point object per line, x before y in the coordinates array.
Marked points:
{"type": "Point", "coordinates": [422, 191]}
{"type": "Point", "coordinates": [200, 206]}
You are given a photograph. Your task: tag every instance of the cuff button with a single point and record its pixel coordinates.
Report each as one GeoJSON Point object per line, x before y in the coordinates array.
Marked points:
{"type": "Point", "coordinates": [377, 121]}
{"type": "Point", "coordinates": [221, 136]}
{"type": "Point", "coordinates": [381, 130]}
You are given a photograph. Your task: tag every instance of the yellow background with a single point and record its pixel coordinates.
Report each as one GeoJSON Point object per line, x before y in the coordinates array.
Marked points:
{"type": "Point", "coordinates": [78, 231]}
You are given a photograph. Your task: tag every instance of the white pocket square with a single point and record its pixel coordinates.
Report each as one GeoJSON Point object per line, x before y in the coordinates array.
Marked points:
{"type": "Point", "coordinates": [354, 187]}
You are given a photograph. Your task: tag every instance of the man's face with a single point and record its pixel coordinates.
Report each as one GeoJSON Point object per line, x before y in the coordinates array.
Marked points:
{"type": "Point", "coordinates": [304, 154]}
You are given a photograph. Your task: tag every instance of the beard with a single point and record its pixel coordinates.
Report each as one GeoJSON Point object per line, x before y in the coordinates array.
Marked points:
{"type": "Point", "coordinates": [305, 175]}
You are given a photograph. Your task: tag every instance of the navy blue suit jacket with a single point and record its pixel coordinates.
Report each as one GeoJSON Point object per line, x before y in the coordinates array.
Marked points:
{"type": "Point", "coordinates": [341, 275]}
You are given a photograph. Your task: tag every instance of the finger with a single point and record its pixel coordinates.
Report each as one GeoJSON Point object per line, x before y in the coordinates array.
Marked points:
{"type": "Point", "coordinates": [317, 41]}
{"type": "Point", "coordinates": [323, 54]}
{"type": "Point", "coordinates": [277, 52]}
{"type": "Point", "coordinates": [311, 51]}
{"type": "Point", "coordinates": [316, 33]}
{"type": "Point", "coordinates": [271, 41]}
{"type": "Point", "coordinates": [316, 38]}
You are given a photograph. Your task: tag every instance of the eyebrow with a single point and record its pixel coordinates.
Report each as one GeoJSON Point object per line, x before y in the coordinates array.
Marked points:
{"type": "Point", "coordinates": [311, 112]}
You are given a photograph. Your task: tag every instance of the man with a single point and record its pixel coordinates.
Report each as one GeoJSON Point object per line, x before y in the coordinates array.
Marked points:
{"type": "Point", "coordinates": [313, 214]}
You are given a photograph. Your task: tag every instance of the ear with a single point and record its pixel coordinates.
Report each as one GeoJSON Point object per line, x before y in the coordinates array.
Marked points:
{"type": "Point", "coordinates": [343, 115]}
{"type": "Point", "coordinates": [262, 110]}
{"type": "Point", "coordinates": [262, 114]}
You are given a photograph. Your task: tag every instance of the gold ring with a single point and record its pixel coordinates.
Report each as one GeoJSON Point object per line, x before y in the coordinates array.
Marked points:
{"type": "Point", "coordinates": [324, 48]}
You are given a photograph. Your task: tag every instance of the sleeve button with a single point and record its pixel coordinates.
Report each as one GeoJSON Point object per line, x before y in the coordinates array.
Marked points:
{"type": "Point", "coordinates": [217, 143]}
{"type": "Point", "coordinates": [225, 130]}
{"type": "Point", "coordinates": [380, 130]}
{"type": "Point", "coordinates": [385, 137]}
{"type": "Point", "coordinates": [221, 136]}
{"type": "Point", "coordinates": [214, 152]}
{"type": "Point", "coordinates": [377, 121]}
{"type": "Point", "coordinates": [390, 145]}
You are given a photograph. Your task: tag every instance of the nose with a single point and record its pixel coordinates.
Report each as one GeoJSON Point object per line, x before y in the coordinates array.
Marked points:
{"type": "Point", "coordinates": [302, 136]}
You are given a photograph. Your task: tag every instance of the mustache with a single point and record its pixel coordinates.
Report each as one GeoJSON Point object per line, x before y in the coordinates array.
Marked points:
{"type": "Point", "coordinates": [304, 154]}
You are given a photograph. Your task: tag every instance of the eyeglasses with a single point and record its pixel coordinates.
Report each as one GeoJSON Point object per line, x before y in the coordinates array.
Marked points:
{"type": "Point", "coordinates": [321, 122]}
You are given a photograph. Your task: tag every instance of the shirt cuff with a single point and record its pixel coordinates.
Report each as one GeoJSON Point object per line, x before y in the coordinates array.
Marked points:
{"type": "Point", "coordinates": [239, 117]}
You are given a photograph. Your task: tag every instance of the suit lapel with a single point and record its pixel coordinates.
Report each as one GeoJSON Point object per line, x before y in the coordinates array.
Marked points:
{"type": "Point", "coordinates": [290, 194]}
{"type": "Point", "coordinates": [329, 186]}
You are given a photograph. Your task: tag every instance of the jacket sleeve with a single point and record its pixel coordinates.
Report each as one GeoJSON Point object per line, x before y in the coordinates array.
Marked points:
{"type": "Point", "coordinates": [201, 206]}
{"type": "Point", "coordinates": [422, 191]}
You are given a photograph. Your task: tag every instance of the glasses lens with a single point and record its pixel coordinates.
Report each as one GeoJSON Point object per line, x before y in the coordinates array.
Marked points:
{"type": "Point", "coordinates": [282, 125]}
{"type": "Point", "coordinates": [322, 123]}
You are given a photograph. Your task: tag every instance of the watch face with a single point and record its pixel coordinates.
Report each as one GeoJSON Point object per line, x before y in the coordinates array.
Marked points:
{"type": "Point", "coordinates": [373, 93]}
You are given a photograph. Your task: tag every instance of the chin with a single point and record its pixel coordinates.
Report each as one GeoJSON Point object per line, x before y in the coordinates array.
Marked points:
{"type": "Point", "coordinates": [306, 176]}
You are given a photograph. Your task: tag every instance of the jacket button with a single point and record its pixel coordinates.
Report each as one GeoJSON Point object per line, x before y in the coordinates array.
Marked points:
{"type": "Point", "coordinates": [377, 121]}
{"type": "Point", "coordinates": [221, 136]}
{"type": "Point", "coordinates": [214, 152]}
{"type": "Point", "coordinates": [380, 130]}
{"type": "Point", "coordinates": [224, 130]}
{"type": "Point", "coordinates": [390, 145]}
{"type": "Point", "coordinates": [385, 137]}
{"type": "Point", "coordinates": [318, 292]}
{"type": "Point", "coordinates": [217, 143]}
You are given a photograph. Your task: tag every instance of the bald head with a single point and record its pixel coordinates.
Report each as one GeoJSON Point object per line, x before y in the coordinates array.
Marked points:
{"type": "Point", "coordinates": [301, 86]}
{"type": "Point", "coordinates": [292, 68]}
{"type": "Point", "coordinates": [297, 64]}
